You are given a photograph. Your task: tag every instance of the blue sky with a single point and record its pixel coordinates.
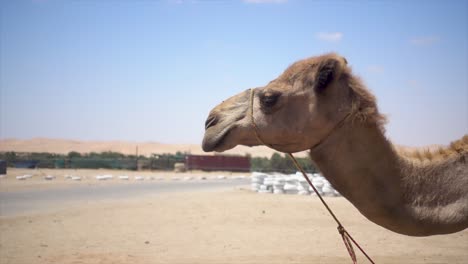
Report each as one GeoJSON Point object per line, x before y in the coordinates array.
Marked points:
{"type": "Point", "coordinates": [152, 70]}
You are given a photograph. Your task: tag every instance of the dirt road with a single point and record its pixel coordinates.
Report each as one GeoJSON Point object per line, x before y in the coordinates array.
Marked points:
{"type": "Point", "coordinates": [222, 226]}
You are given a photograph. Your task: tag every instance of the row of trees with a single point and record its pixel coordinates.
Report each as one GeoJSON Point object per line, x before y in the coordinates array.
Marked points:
{"type": "Point", "coordinates": [115, 160]}
{"type": "Point", "coordinates": [93, 160]}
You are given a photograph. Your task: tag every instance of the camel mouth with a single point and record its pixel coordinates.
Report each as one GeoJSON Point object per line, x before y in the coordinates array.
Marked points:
{"type": "Point", "coordinates": [216, 142]}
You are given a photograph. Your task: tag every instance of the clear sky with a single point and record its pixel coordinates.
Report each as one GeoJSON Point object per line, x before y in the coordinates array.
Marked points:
{"type": "Point", "coordinates": [151, 70]}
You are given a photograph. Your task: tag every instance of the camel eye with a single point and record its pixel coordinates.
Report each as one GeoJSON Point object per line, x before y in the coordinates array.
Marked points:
{"type": "Point", "coordinates": [269, 100]}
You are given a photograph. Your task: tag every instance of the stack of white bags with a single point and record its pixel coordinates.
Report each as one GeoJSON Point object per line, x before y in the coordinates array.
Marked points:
{"type": "Point", "coordinates": [291, 184]}
{"type": "Point", "coordinates": [104, 177]}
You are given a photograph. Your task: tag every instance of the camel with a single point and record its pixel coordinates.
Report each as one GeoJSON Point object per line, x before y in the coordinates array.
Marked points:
{"type": "Point", "coordinates": [318, 105]}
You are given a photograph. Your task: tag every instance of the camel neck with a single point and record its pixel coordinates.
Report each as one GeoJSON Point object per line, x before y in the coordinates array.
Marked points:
{"type": "Point", "coordinates": [358, 157]}
{"type": "Point", "coordinates": [364, 167]}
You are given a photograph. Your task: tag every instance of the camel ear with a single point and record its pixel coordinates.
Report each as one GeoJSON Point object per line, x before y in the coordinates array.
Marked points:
{"type": "Point", "coordinates": [326, 73]}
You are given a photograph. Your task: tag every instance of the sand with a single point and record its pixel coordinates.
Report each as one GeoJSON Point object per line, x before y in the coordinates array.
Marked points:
{"type": "Point", "coordinates": [64, 146]}
{"type": "Point", "coordinates": [229, 226]}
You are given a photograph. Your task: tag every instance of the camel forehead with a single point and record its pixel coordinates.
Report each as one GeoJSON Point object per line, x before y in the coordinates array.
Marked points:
{"type": "Point", "coordinates": [299, 68]}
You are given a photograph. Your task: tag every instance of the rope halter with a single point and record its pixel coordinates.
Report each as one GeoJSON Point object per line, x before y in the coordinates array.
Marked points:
{"type": "Point", "coordinates": [347, 238]}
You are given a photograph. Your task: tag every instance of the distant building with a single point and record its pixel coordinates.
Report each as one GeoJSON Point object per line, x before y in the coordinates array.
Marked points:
{"type": "Point", "coordinates": [217, 163]}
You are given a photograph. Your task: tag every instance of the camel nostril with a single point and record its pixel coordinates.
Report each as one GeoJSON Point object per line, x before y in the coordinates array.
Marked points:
{"type": "Point", "coordinates": [211, 121]}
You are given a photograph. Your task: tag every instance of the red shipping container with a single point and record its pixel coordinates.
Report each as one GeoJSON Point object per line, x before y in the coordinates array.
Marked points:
{"type": "Point", "coordinates": [217, 163]}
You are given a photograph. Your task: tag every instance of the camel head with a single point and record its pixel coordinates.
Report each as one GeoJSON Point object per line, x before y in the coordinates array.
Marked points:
{"type": "Point", "coordinates": [292, 113]}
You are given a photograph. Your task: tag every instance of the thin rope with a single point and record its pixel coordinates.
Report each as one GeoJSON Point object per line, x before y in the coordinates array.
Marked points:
{"type": "Point", "coordinates": [344, 234]}
{"type": "Point", "coordinates": [347, 238]}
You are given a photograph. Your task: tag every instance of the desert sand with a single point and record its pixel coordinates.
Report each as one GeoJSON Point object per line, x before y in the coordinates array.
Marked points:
{"type": "Point", "coordinates": [64, 146]}
{"type": "Point", "coordinates": [219, 226]}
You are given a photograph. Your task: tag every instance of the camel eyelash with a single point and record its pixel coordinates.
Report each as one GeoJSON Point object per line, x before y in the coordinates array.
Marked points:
{"type": "Point", "coordinates": [269, 100]}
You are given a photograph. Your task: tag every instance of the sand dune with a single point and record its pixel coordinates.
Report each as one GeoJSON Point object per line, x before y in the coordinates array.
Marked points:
{"type": "Point", "coordinates": [63, 146]}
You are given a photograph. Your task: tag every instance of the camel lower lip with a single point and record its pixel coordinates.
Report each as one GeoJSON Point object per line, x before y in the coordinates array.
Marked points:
{"type": "Point", "coordinates": [213, 146]}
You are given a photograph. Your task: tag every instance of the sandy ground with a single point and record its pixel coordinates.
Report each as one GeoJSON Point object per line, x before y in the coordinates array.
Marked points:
{"type": "Point", "coordinates": [234, 226]}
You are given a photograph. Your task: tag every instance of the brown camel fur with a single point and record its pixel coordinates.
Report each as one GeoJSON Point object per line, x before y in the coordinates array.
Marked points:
{"type": "Point", "coordinates": [317, 104]}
